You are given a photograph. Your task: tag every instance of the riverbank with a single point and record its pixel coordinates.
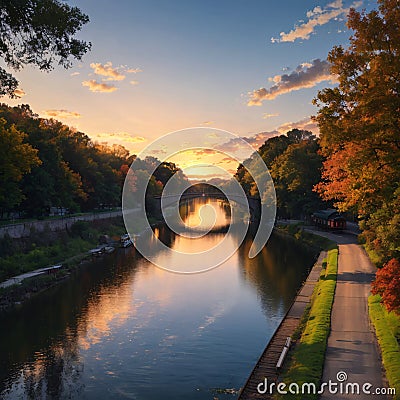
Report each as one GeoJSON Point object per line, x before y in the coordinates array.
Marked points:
{"type": "Point", "coordinates": [308, 325]}
{"type": "Point", "coordinates": [67, 245]}
{"type": "Point", "coordinates": [67, 248]}
{"type": "Point", "coordinates": [296, 319]}
{"type": "Point", "coordinates": [312, 240]}
{"type": "Point", "coordinates": [188, 336]}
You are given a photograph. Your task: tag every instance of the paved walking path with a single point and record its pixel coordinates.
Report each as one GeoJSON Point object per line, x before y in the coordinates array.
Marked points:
{"type": "Point", "coordinates": [352, 346]}
{"type": "Point", "coordinates": [16, 280]}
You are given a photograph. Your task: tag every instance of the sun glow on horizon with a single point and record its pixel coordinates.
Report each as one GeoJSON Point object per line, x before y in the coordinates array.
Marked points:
{"type": "Point", "coordinates": [205, 164]}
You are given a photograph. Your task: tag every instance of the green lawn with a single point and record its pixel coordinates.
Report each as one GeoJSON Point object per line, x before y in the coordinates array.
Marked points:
{"type": "Point", "coordinates": [387, 328]}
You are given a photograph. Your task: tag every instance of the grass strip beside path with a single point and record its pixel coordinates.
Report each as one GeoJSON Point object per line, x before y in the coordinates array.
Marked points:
{"type": "Point", "coordinates": [387, 328]}
{"type": "Point", "coordinates": [306, 360]}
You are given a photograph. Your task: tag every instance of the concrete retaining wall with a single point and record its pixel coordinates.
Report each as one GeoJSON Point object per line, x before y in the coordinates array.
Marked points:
{"type": "Point", "coordinates": [24, 229]}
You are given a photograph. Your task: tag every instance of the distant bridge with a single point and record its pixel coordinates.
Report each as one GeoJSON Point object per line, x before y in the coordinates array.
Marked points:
{"type": "Point", "coordinates": [253, 203]}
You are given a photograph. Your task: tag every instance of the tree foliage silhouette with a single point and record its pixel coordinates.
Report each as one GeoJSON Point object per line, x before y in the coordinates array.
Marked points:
{"type": "Point", "coordinates": [39, 33]}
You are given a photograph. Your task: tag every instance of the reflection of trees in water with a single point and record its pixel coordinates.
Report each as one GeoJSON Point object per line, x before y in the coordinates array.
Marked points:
{"type": "Point", "coordinates": [162, 232]}
{"type": "Point", "coordinates": [39, 350]}
{"type": "Point", "coordinates": [55, 373]}
{"type": "Point", "coordinates": [278, 271]}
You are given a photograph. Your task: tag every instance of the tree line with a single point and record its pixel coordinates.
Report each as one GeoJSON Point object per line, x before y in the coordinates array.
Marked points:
{"type": "Point", "coordinates": [360, 137]}
{"type": "Point", "coordinates": [295, 164]}
{"type": "Point", "coordinates": [44, 164]}
{"type": "Point", "coordinates": [360, 127]}
{"type": "Point", "coordinates": [354, 164]}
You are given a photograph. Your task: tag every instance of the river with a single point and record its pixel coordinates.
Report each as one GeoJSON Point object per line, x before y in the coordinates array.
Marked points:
{"type": "Point", "coordinates": [122, 328]}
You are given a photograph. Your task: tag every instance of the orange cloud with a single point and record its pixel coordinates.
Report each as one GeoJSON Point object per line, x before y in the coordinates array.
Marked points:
{"type": "Point", "coordinates": [123, 137]}
{"type": "Point", "coordinates": [258, 139]}
{"type": "Point", "coordinates": [95, 86]}
{"type": "Point", "coordinates": [205, 177]}
{"type": "Point", "coordinates": [107, 70]}
{"type": "Point", "coordinates": [305, 124]}
{"type": "Point", "coordinates": [19, 93]}
{"type": "Point", "coordinates": [204, 152]}
{"type": "Point", "coordinates": [133, 70]}
{"type": "Point", "coordinates": [61, 114]}
{"type": "Point", "coordinates": [135, 139]}
{"type": "Point", "coordinates": [235, 146]}
{"type": "Point", "coordinates": [266, 116]}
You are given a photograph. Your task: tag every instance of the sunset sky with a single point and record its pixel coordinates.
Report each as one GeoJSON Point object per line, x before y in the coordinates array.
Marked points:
{"type": "Point", "coordinates": [159, 66]}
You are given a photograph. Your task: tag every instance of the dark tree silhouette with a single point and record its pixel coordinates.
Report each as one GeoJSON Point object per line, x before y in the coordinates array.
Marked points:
{"type": "Point", "coordinates": [39, 33]}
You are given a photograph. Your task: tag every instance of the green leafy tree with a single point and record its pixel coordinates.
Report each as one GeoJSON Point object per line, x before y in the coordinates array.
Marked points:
{"type": "Point", "coordinates": [165, 171]}
{"type": "Point", "coordinates": [246, 180]}
{"type": "Point", "coordinates": [276, 145]}
{"type": "Point", "coordinates": [295, 172]}
{"type": "Point", "coordinates": [359, 124]}
{"type": "Point", "coordinates": [39, 33]}
{"type": "Point", "coordinates": [74, 173]}
{"type": "Point", "coordinates": [295, 167]}
{"type": "Point", "coordinates": [16, 159]}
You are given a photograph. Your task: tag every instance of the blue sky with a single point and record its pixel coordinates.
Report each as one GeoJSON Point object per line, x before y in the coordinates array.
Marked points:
{"type": "Point", "coordinates": [159, 66]}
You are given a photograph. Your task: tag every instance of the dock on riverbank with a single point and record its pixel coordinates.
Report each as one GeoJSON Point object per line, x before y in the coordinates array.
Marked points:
{"type": "Point", "coordinates": [16, 280]}
{"type": "Point", "coordinates": [266, 365]}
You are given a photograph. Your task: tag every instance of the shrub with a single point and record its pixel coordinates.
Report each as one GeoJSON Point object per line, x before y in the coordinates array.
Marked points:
{"type": "Point", "coordinates": [7, 245]}
{"type": "Point", "coordinates": [90, 231]}
{"type": "Point", "coordinates": [80, 228]}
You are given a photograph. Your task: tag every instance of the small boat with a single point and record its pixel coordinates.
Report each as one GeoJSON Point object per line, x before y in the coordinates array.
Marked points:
{"type": "Point", "coordinates": [52, 269]}
{"type": "Point", "coordinates": [125, 241]}
{"type": "Point", "coordinates": [97, 251]}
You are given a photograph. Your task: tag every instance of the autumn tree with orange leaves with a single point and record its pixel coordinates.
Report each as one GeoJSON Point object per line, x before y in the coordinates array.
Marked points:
{"type": "Point", "coordinates": [359, 122]}
{"type": "Point", "coordinates": [387, 284]}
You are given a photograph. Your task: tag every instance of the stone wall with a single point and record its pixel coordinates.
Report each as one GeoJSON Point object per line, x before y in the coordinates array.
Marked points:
{"type": "Point", "coordinates": [24, 229]}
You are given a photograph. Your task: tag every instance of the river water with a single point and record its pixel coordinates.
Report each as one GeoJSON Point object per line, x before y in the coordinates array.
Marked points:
{"type": "Point", "coordinates": [122, 328]}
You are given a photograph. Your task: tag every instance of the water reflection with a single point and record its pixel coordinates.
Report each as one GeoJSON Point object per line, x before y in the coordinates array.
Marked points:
{"type": "Point", "coordinates": [122, 328]}
{"type": "Point", "coordinates": [276, 271]}
{"type": "Point", "coordinates": [40, 350]}
{"type": "Point", "coordinates": [204, 214]}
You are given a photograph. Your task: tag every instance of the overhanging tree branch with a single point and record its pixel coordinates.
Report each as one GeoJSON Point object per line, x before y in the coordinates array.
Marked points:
{"type": "Point", "coordinates": [40, 33]}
